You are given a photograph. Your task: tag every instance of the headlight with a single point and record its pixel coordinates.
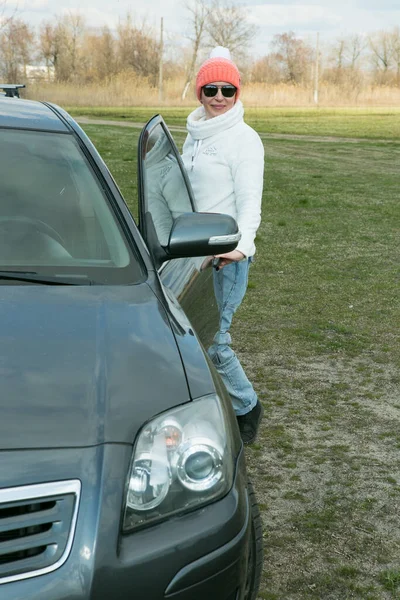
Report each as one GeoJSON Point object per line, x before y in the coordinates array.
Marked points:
{"type": "Point", "coordinates": [182, 460]}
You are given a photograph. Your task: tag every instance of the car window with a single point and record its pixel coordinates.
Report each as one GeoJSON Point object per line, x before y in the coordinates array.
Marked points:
{"type": "Point", "coordinates": [165, 189]}
{"type": "Point", "coordinates": [54, 214]}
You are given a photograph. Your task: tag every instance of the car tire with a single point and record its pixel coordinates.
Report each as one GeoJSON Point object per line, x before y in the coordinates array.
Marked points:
{"type": "Point", "coordinates": [255, 559]}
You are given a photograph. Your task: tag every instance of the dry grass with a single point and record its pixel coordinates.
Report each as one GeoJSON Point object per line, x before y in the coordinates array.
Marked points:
{"type": "Point", "coordinates": [122, 90]}
{"type": "Point", "coordinates": [130, 90]}
{"type": "Point", "coordinates": [329, 95]}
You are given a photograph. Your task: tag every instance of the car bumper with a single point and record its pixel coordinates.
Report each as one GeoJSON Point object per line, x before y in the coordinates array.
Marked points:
{"type": "Point", "coordinates": [198, 555]}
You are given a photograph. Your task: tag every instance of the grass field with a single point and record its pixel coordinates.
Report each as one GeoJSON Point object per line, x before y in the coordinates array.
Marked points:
{"type": "Point", "coordinates": [319, 334]}
{"type": "Point", "coordinates": [370, 123]}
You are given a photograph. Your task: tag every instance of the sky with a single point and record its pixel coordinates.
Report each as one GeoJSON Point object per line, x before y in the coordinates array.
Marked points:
{"type": "Point", "coordinates": [330, 18]}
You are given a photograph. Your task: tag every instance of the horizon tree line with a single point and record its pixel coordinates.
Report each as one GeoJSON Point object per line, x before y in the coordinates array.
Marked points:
{"type": "Point", "coordinates": [73, 52]}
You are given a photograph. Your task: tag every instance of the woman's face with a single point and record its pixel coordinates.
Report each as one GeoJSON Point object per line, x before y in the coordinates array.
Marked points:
{"type": "Point", "coordinates": [217, 105]}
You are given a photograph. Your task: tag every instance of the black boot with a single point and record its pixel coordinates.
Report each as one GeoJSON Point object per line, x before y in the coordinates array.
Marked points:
{"type": "Point", "coordinates": [249, 423]}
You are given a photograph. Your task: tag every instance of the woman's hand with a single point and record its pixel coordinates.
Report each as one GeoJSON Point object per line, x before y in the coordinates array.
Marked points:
{"type": "Point", "coordinates": [229, 257]}
{"type": "Point", "coordinates": [207, 262]}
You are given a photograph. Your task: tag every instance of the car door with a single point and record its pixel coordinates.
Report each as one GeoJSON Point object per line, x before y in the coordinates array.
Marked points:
{"type": "Point", "coordinates": [164, 194]}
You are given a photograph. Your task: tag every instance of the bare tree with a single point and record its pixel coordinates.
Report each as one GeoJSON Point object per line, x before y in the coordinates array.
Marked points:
{"type": "Point", "coordinates": [16, 47]}
{"type": "Point", "coordinates": [61, 46]}
{"type": "Point", "coordinates": [340, 53]}
{"type": "Point", "coordinates": [75, 26]}
{"type": "Point", "coordinates": [381, 54]}
{"type": "Point", "coordinates": [344, 58]}
{"type": "Point", "coordinates": [199, 12]}
{"type": "Point", "coordinates": [265, 70]}
{"type": "Point", "coordinates": [50, 45]}
{"type": "Point", "coordinates": [227, 25]}
{"type": "Point", "coordinates": [357, 43]}
{"type": "Point", "coordinates": [5, 15]}
{"type": "Point", "coordinates": [138, 48]}
{"type": "Point", "coordinates": [337, 60]}
{"type": "Point", "coordinates": [101, 54]}
{"type": "Point", "coordinates": [293, 56]}
{"type": "Point", "coordinates": [395, 51]}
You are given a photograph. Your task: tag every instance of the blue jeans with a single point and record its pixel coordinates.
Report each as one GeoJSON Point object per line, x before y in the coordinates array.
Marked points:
{"type": "Point", "coordinates": [230, 284]}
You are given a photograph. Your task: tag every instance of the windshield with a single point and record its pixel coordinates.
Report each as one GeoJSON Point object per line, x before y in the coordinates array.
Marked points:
{"type": "Point", "coordinates": [55, 218]}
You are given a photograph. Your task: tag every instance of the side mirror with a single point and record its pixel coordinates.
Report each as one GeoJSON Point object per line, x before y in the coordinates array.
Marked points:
{"type": "Point", "coordinates": [202, 234]}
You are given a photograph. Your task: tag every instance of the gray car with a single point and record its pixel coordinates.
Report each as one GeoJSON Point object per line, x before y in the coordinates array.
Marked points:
{"type": "Point", "coordinates": [122, 472]}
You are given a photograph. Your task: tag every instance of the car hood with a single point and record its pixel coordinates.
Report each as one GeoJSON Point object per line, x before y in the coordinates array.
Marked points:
{"type": "Point", "coordinates": [84, 365]}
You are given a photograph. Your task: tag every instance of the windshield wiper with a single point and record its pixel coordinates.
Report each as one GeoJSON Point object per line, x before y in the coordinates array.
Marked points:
{"type": "Point", "coordinates": [33, 277]}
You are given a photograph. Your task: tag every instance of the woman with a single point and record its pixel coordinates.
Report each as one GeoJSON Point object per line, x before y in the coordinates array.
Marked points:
{"type": "Point", "coordinates": [224, 158]}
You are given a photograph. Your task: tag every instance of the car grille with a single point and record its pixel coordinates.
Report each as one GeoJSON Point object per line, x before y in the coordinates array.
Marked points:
{"type": "Point", "coordinates": [37, 525]}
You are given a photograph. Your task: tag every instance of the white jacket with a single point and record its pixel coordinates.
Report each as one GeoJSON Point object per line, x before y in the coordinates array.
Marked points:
{"type": "Point", "coordinates": [224, 158]}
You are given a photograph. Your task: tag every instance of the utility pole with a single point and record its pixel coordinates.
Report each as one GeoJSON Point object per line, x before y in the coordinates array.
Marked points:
{"type": "Point", "coordinates": [160, 70]}
{"type": "Point", "coordinates": [316, 71]}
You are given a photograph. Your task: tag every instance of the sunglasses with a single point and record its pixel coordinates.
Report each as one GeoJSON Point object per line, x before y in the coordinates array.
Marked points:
{"type": "Point", "coordinates": [228, 91]}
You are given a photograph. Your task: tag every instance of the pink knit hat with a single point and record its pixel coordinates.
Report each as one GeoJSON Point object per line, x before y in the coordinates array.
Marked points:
{"type": "Point", "coordinates": [219, 67]}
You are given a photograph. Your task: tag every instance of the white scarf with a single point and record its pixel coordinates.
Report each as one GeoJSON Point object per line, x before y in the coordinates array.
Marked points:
{"type": "Point", "coordinates": [200, 128]}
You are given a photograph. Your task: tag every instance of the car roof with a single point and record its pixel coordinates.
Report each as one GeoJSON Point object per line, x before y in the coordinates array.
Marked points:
{"type": "Point", "coordinates": [29, 114]}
